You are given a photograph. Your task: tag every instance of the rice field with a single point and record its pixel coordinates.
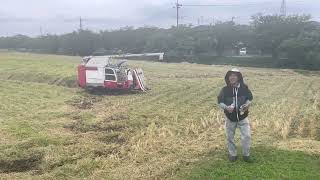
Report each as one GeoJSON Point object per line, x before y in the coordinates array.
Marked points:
{"type": "Point", "coordinates": [51, 129]}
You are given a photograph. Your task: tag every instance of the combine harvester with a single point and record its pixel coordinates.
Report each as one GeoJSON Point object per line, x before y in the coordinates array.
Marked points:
{"type": "Point", "coordinates": [111, 73]}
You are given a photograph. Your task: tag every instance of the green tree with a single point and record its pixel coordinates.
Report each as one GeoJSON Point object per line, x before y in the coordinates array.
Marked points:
{"type": "Point", "coordinates": [272, 30]}
{"type": "Point", "coordinates": [303, 50]}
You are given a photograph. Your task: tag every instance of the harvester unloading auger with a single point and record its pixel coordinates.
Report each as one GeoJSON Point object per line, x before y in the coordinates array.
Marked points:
{"type": "Point", "coordinates": [111, 73]}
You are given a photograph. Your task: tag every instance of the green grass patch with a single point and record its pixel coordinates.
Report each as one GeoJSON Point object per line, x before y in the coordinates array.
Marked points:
{"type": "Point", "coordinates": [267, 163]}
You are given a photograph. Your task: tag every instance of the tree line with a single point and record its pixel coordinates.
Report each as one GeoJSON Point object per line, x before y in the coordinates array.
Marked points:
{"type": "Point", "coordinates": [290, 40]}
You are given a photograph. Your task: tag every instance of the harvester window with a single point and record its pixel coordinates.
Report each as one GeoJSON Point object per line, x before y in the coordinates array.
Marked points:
{"type": "Point", "coordinates": [110, 74]}
{"type": "Point", "coordinates": [110, 77]}
{"type": "Point", "coordinates": [109, 71]}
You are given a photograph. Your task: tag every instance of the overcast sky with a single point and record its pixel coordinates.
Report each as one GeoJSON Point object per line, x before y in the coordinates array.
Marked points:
{"type": "Point", "coordinates": [61, 16]}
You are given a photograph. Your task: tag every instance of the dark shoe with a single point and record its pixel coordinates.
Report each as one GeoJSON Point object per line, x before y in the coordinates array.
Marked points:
{"type": "Point", "coordinates": [247, 159]}
{"type": "Point", "coordinates": [233, 158]}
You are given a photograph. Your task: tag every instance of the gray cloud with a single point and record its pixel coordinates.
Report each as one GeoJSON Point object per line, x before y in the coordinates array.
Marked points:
{"type": "Point", "coordinates": [15, 19]}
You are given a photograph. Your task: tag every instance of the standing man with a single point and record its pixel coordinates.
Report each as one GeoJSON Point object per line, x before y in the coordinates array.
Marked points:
{"type": "Point", "coordinates": [235, 99]}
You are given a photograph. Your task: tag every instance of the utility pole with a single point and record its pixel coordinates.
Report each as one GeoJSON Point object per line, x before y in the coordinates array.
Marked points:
{"type": "Point", "coordinates": [41, 34]}
{"type": "Point", "coordinates": [80, 24]}
{"type": "Point", "coordinates": [283, 9]}
{"type": "Point", "coordinates": [178, 6]}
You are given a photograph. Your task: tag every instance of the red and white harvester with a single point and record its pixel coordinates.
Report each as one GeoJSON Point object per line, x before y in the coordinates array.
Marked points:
{"type": "Point", "coordinates": [111, 73]}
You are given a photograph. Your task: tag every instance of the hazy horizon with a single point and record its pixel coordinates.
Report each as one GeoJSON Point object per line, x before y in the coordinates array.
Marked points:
{"type": "Point", "coordinates": [34, 17]}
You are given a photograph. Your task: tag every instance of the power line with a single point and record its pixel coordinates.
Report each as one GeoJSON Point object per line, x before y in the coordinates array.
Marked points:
{"type": "Point", "coordinates": [222, 5]}
{"type": "Point", "coordinates": [283, 10]}
{"type": "Point", "coordinates": [217, 5]}
{"type": "Point", "coordinates": [232, 5]}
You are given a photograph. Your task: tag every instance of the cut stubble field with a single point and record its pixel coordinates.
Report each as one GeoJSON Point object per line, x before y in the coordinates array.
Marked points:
{"type": "Point", "coordinates": [51, 129]}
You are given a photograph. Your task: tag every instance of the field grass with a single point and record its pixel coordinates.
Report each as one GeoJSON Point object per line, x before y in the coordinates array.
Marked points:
{"type": "Point", "coordinates": [268, 163]}
{"type": "Point", "coordinates": [50, 129]}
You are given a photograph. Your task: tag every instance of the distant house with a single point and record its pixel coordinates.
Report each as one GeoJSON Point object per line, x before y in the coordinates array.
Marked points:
{"type": "Point", "coordinates": [243, 51]}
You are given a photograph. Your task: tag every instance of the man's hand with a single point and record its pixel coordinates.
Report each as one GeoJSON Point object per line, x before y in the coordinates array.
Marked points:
{"type": "Point", "coordinates": [245, 107]}
{"type": "Point", "coordinates": [229, 109]}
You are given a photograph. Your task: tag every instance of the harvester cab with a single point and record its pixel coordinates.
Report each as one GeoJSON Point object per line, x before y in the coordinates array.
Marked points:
{"type": "Point", "coordinates": [108, 72]}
